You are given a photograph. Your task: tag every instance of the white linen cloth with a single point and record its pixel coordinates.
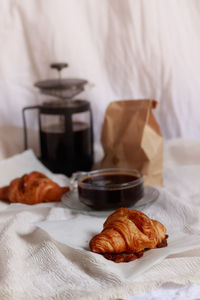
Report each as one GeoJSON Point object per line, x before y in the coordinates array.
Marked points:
{"type": "Point", "coordinates": [126, 50]}
{"type": "Point", "coordinates": [47, 264]}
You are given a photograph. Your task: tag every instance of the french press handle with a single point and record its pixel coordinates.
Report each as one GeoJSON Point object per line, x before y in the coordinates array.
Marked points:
{"type": "Point", "coordinates": [24, 123]}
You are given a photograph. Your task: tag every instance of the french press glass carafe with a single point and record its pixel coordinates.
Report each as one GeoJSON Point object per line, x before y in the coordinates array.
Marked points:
{"type": "Point", "coordinates": [65, 126]}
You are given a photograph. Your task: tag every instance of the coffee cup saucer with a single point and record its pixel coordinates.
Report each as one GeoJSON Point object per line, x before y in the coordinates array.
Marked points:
{"type": "Point", "coordinates": [71, 201]}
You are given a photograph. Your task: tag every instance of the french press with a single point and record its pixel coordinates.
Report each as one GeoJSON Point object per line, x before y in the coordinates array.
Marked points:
{"type": "Point", "coordinates": [65, 125]}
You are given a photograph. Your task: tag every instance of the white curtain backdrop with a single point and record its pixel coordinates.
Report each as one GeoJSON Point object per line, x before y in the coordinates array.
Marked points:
{"type": "Point", "coordinates": [126, 49]}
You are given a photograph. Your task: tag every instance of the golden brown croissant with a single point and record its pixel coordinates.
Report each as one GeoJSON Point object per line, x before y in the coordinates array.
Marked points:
{"type": "Point", "coordinates": [32, 188]}
{"type": "Point", "coordinates": [128, 232]}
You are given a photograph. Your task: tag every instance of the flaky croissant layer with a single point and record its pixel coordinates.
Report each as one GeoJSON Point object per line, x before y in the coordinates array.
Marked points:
{"type": "Point", "coordinates": [32, 188]}
{"type": "Point", "coordinates": [130, 231]}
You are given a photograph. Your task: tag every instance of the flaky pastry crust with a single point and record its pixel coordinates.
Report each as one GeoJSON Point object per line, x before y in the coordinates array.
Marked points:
{"type": "Point", "coordinates": [32, 188]}
{"type": "Point", "coordinates": [128, 231]}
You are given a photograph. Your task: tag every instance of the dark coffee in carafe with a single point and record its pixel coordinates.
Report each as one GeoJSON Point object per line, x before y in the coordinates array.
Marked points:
{"type": "Point", "coordinates": [63, 155]}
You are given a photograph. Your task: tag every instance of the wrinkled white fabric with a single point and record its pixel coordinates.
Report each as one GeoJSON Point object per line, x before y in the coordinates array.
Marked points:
{"type": "Point", "coordinates": [48, 263]}
{"type": "Point", "coordinates": [126, 50]}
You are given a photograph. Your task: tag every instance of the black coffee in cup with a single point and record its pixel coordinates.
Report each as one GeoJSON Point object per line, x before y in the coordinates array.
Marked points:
{"type": "Point", "coordinates": [111, 190]}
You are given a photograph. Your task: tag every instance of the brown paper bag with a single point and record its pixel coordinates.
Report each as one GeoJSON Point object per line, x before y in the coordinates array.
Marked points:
{"type": "Point", "coordinates": [131, 138]}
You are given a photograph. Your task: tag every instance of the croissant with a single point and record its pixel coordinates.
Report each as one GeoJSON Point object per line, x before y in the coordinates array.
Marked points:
{"type": "Point", "coordinates": [32, 188]}
{"type": "Point", "coordinates": [126, 234]}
